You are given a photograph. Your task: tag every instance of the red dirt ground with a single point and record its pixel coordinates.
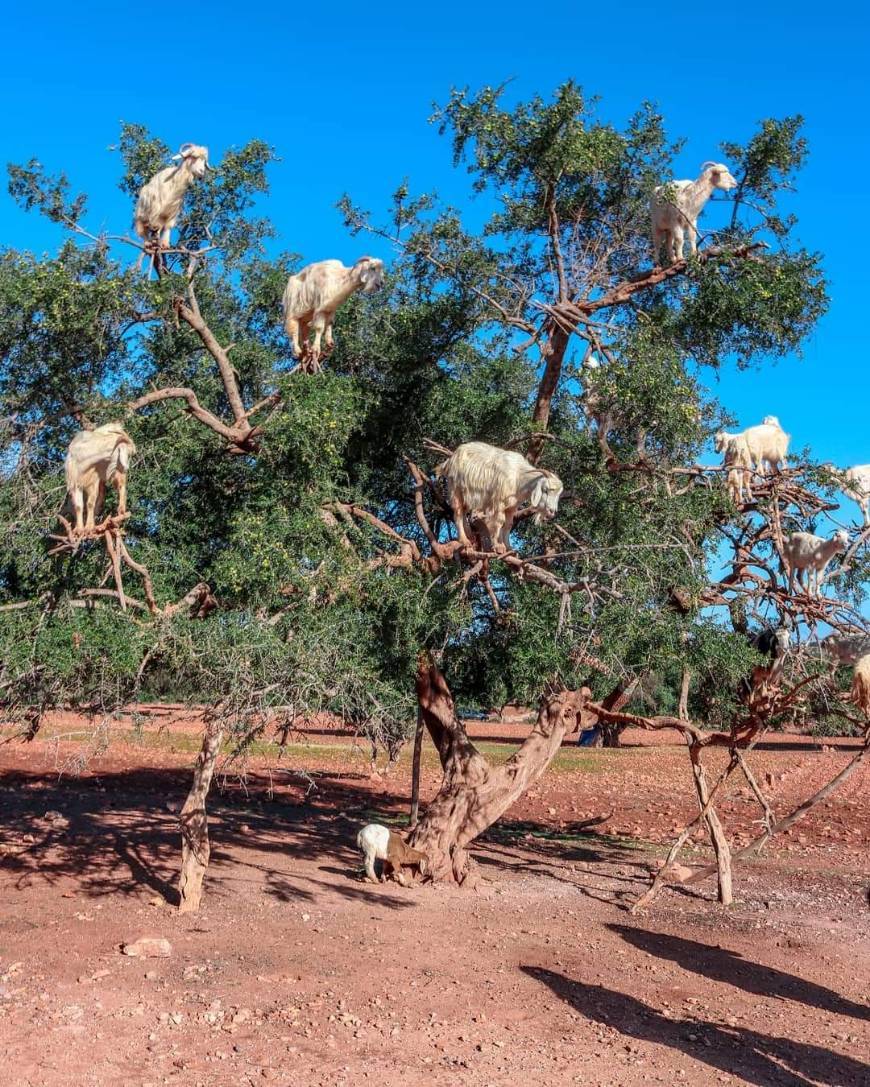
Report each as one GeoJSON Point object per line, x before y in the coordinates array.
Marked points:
{"type": "Point", "coordinates": [297, 972]}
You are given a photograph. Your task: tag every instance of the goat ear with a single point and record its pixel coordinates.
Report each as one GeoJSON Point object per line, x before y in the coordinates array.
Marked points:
{"type": "Point", "coordinates": [538, 492]}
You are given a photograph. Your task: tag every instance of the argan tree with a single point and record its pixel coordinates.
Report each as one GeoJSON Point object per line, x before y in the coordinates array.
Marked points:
{"type": "Point", "coordinates": [289, 550]}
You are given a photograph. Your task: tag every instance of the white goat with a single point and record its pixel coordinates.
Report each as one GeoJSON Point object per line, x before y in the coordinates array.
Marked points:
{"type": "Point", "coordinates": [738, 460]}
{"type": "Point", "coordinates": [160, 199]}
{"type": "Point", "coordinates": [490, 483]}
{"type": "Point", "coordinates": [378, 842]}
{"type": "Point", "coordinates": [312, 296]}
{"type": "Point", "coordinates": [857, 487]}
{"type": "Point", "coordinates": [861, 685]}
{"type": "Point", "coordinates": [805, 551]}
{"type": "Point", "coordinates": [767, 443]}
{"type": "Point", "coordinates": [96, 458]}
{"type": "Point", "coordinates": [675, 207]}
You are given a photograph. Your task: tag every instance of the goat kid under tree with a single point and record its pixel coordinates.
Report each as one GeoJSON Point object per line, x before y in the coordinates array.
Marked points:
{"type": "Point", "coordinates": [328, 551]}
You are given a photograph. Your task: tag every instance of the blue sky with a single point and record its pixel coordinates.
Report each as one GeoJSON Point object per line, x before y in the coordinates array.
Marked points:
{"type": "Point", "coordinates": [344, 98]}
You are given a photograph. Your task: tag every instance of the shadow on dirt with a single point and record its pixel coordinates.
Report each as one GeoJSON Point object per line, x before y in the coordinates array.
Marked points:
{"type": "Point", "coordinates": [756, 1058]}
{"type": "Point", "coordinates": [117, 832]}
{"type": "Point", "coordinates": [721, 964]}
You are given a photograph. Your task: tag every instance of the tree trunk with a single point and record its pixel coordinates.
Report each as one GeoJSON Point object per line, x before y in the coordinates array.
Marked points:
{"type": "Point", "coordinates": [618, 698]}
{"type": "Point", "coordinates": [683, 711]}
{"type": "Point", "coordinates": [473, 793]}
{"type": "Point", "coordinates": [195, 849]}
{"type": "Point", "coordinates": [554, 355]}
{"type": "Point", "coordinates": [714, 828]}
{"type": "Point", "coordinates": [415, 772]}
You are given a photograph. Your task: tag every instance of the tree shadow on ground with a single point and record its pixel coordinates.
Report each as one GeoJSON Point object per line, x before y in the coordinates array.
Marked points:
{"type": "Point", "coordinates": [122, 835]}
{"type": "Point", "coordinates": [118, 833]}
{"type": "Point", "coordinates": [756, 1058]}
{"type": "Point", "coordinates": [720, 964]}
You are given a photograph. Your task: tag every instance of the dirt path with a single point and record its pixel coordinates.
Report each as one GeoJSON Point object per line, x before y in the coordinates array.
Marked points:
{"type": "Point", "coordinates": [296, 972]}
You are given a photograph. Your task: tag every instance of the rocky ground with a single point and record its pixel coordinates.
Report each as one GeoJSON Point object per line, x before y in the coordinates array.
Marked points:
{"type": "Point", "coordinates": [297, 972]}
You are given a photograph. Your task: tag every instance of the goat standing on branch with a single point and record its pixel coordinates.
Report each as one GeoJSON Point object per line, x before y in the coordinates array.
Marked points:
{"type": "Point", "coordinates": [738, 460]}
{"type": "Point", "coordinates": [675, 207]}
{"type": "Point", "coordinates": [487, 482]}
{"type": "Point", "coordinates": [312, 296]}
{"type": "Point", "coordinates": [96, 458]}
{"type": "Point", "coordinates": [160, 199]}
{"type": "Point", "coordinates": [806, 551]}
{"type": "Point", "coordinates": [856, 485]}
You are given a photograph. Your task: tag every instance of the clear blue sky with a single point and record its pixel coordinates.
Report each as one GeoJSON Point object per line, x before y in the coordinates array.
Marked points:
{"type": "Point", "coordinates": [344, 97]}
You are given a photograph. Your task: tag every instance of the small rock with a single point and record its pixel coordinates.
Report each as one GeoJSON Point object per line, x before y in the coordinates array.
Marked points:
{"type": "Point", "coordinates": [148, 947]}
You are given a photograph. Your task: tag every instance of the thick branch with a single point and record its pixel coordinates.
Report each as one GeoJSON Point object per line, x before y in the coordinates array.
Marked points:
{"type": "Point", "coordinates": [191, 314]}
{"type": "Point", "coordinates": [236, 435]}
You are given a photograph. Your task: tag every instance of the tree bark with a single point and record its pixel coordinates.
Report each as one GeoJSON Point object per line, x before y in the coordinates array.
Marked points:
{"type": "Point", "coordinates": [415, 772]}
{"type": "Point", "coordinates": [683, 711]}
{"type": "Point", "coordinates": [195, 848]}
{"type": "Point", "coordinates": [554, 356]}
{"type": "Point", "coordinates": [714, 828]}
{"type": "Point", "coordinates": [473, 793]}
{"type": "Point", "coordinates": [620, 696]}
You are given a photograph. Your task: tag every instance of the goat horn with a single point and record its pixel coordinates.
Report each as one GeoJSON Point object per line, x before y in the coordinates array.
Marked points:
{"type": "Point", "coordinates": [704, 165]}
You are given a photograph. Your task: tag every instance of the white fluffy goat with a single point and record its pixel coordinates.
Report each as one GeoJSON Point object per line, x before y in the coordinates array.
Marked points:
{"type": "Point", "coordinates": [805, 551]}
{"type": "Point", "coordinates": [490, 483]}
{"type": "Point", "coordinates": [312, 296]}
{"type": "Point", "coordinates": [96, 458]}
{"type": "Point", "coordinates": [675, 207]}
{"type": "Point", "coordinates": [160, 199]}
{"type": "Point", "coordinates": [738, 460]}
{"type": "Point", "coordinates": [766, 443]}
{"type": "Point", "coordinates": [857, 486]}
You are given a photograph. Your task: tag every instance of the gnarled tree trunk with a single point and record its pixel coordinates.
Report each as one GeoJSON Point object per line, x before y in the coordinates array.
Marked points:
{"type": "Point", "coordinates": [195, 849]}
{"type": "Point", "coordinates": [473, 793]}
{"type": "Point", "coordinates": [618, 698]}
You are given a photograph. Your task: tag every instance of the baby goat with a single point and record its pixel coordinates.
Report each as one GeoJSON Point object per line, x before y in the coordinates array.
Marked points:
{"type": "Point", "coordinates": [380, 843]}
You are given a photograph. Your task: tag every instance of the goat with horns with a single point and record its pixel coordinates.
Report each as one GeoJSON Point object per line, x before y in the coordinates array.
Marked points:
{"type": "Point", "coordinates": [490, 483]}
{"type": "Point", "coordinates": [160, 199]}
{"type": "Point", "coordinates": [312, 296]}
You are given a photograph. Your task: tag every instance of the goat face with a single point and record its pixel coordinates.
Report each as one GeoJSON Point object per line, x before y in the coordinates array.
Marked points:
{"type": "Point", "coordinates": [720, 441]}
{"type": "Point", "coordinates": [720, 176]}
{"type": "Point", "coordinates": [195, 158]}
{"type": "Point", "coordinates": [842, 538]}
{"type": "Point", "coordinates": [545, 497]}
{"type": "Point", "coordinates": [371, 274]}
